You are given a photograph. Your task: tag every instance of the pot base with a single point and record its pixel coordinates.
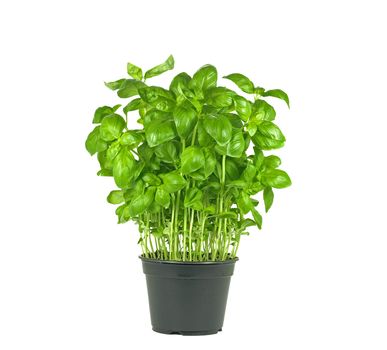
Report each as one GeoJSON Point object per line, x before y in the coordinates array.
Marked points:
{"type": "Point", "coordinates": [163, 331]}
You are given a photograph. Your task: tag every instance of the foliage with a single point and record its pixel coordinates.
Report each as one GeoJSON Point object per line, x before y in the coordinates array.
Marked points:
{"type": "Point", "coordinates": [189, 174]}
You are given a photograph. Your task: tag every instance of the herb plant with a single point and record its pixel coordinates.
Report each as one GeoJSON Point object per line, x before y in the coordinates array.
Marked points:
{"type": "Point", "coordinates": [187, 175]}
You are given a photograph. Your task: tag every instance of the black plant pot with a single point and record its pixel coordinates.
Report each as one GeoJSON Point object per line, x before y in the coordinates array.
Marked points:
{"type": "Point", "coordinates": [187, 298]}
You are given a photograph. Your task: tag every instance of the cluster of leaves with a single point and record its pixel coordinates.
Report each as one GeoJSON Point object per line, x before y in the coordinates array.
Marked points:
{"type": "Point", "coordinates": [188, 174]}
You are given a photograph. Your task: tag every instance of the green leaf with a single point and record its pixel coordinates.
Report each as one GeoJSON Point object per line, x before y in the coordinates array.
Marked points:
{"type": "Point", "coordinates": [123, 168]}
{"type": "Point", "coordinates": [185, 118]}
{"type": "Point", "coordinates": [275, 178]}
{"type": "Point", "coordinates": [162, 197]}
{"type": "Point", "coordinates": [246, 223]}
{"type": "Point", "coordinates": [151, 179]}
{"type": "Point", "coordinates": [192, 159]}
{"type": "Point", "coordinates": [111, 127]}
{"type": "Point", "coordinates": [158, 97]}
{"type": "Point", "coordinates": [209, 161]}
{"type": "Point", "coordinates": [142, 202]}
{"type": "Point", "coordinates": [242, 82]}
{"type": "Point", "coordinates": [179, 84]}
{"type": "Point", "coordinates": [129, 88]}
{"type": "Point", "coordinates": [167, 152]}
{"type": "Point", "coordinates": [113, 150]}
{"type": "Point", "coordinates": [133, 105]}
{"type": "Point", "coordinates": [205, 78]}
{"type": "Point", "coordinates": [173, 181]}
{"type": "Point", "coordinates": [268, 136]}
{"type": "Point", "coordinates": [131, 138]}
{"type": "Point", "coordinates": [115, 85]}
{"type": "Point", "coordinates": [161, 68]}
{"type": "Point", "coordinates": [272, 161]}
{"type": "Point", "coordinates": [278, 94]}
{"type": "Point", "coordinates": [243, 107]}
{"type": "Point", "coordinates": [219, 97]}
{"type": "Point", "coordinates": [160, 131]}
{"type": "Point", "coordinates": [193, 199]}
{"type": "Point", "coordinates": [268, 197]}
{"type": "Point", "coordinates": [116, 197]}
{"type": "Point", "coordinates": [262, 111]}
{"type": "Point", "coordinates": [236, 146]}
{"type": "Point", "coordinates": [134, 71]}
{"type": "Point", "coordinates": [219, 128]}
{"type": "Point", "coordinates": [244, 203]}
{"type": "Point", "coordinates": [257, 217]}
{"type": "Point", "coordinates": [251, 128]}
{"type": "Point", "coordinates": [103, 112]}
{"type": "Point", "coordinates": [249, 173]}
{"type": "Point", "coordinates": [94, 142]}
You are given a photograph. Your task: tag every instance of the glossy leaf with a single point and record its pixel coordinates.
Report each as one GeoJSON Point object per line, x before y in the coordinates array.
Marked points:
{"type": "Point", "coordinates": [185, 118]}
{"type": "Point", "coordinates": [243, 107]}
{"type": "Point", "coordinates": [262, 111]}
{"type": "Point", "coordinates": [123, 168]}
{"type": "Point", "coordinates": [94, 142]}
{"type": "Point", "coordinates": [161, 68]}
{"type": "Point", "coordinates": [162, 197]}
{"type": "Point", "coordinates": [205, 78]}
{"type": "Point", "coordinates": [134, 71]}
{"type": "Point", "coordinates": [173, 182]}
{"type": "Point", "coordinates": [268, 197]}
{"type": "Point", "coordinates": [236, 146]}
{"type": "Point", "coordinates": [129, 88]}
{"type": "Point", "coordinates": [193, 199]}
{"type": "Point", "coordinates": [278, 94]}
{"type": "Point", "coordinates": [268, 136]}
{"type": "Point", "coordinates": [112, 127]}
{"type": "Point", "coordinates": [103, 112]}
{"type": "Point", "coordinates": [142, 202]}
{"type": "Point", "coordinates": [159, 132]}
{"type": "Point", "coordinates": [219, 128]}
{"type": "Point", "coordinates": [158, 98]}
{"type": "Point", "coordinates": [133, 105]}
{"type": "Point", "coordinates": [275, 178]}
{"type": "Point", "coordinates": [272, 161]}
{"type": "Point", "coordinates": [192, 159]}
{"type": "Point", "coordinates": [242, 82]}
{"type": "Point", "coordinates": [219, 97]}
{"type": "Point", "coordinates": [257, 217]}
{"type": "Point", "coordinates": [116, 197]}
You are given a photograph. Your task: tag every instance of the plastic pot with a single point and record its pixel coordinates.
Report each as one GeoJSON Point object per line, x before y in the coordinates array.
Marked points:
{"type": "Point", "coordinates": [187, 298]}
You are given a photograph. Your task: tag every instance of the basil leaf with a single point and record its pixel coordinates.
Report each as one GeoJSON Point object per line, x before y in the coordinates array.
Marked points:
{"type": "Point", "coordinates": [242, 82]}
{"type": "Point", "coordinates": [111, 127]}
{"type": "Point", "coordinates": [162, 197]}
{"type": "Point", "coordinates": [133, 105]}
{"type": "Point", "coordinates": [151, 179]}
{"type": "Point", "coordinates": [185, 119]}
{"type": "Point", "coordinates": [275, 178]}
{"type": "Point", "coordinates": [263, 111]}
{"type": "Point", "coordinates": [129, 88]}
{"type": "Point", "coordinates": [103, 112]}
{"type": "Point", "coordinates": [115, 85]}
{"type": "Point", "coordinates": [179, 84]}
{"type": "Point", "coordinates": [131, 138]}
{"type": "Point", "coordinates": [257, 217]}
{"type": "Point", "coordinates": [278, 94]}
{"type": "Point", "coordinates": [192, 159]}
{"type": "Point", "coordinates": [116, 197]}
{"type": "Point", "coordinates": [272, 161]}
{"type": "Point", "coordinates": [123, 167]}
{"type": "Point", "coordinates": [161, 68]}
{"type": "Point", "coordinates": [268, 136]}
{"type": "Point", "coordinates": [142, 202]}
{"type": "Point", "coordinates": [173, 182]}
{"type": "Point", "coordinates": [209, 162]}
{"type": "Point", "coordinates": [236, 146]}
{"type": "Point", "coordinates": [244, 203]}
{"type": "Point", "coordinates": [205, 78]}
{"type": "Point", "coordinates": [94, 142]}
{"type": "Point", "coordinates": [167, 152]}
{"type": "Point", "coordinates": [193, 199]}
{"type": "Point", "coordinates": [219, 128]}
{"type": "Point", "coordinates": [219, 97]}
{"type": "Point", "coordinates": [157, 97]}
{"type": "Point", "coordinates": [159, 132]}
{"type": "Point", "coordinates": [268, 197]}
{"type": "Point", "coordinates": [243, 107]}
{"type": "Point", "coordinates": [134, 71]}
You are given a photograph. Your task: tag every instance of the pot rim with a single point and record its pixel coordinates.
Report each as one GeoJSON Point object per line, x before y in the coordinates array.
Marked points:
{"type": "Point", "coordinates": [178, 262]}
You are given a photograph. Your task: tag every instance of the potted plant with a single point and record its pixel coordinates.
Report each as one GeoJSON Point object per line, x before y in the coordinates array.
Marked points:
{"type": "Point", "coordinates": [188, 176]}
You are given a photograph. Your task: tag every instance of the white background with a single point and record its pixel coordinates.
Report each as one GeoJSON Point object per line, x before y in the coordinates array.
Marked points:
{"type": "Point", "coordinates": [313, 278]}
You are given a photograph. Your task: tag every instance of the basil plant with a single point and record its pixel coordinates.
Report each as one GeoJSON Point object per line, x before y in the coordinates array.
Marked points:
{"type": "Point", "coordinates": [189, 174]}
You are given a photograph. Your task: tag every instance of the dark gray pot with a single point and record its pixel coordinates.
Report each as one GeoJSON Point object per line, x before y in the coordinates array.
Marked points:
{"type": "Point", "coordinates": [187, 298]}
